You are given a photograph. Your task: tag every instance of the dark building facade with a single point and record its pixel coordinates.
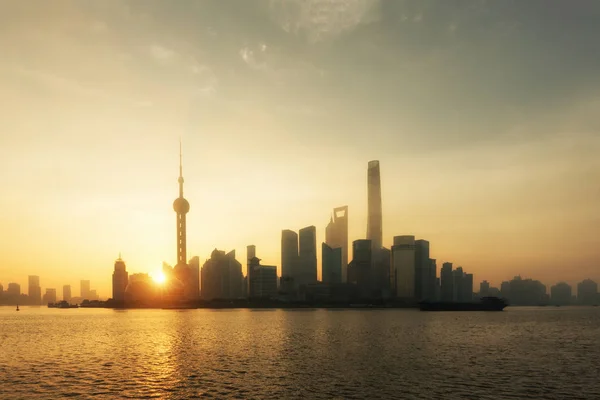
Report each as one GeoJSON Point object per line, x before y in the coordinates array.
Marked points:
{"type": "Point", "coordinates": [307, 256]}
{"type": "Point", "coordinates": [222, 277]}
{"type": "Point", "coordinates": [375, 213]}
{"type": "Point", "coordinates": [120, 280]}
{"type": "Point", "coordinates": [336, 235]}
{"type": "Point", "coordinates": [359, 270]}
{"type": "Point", "coordinates": [331, 271]}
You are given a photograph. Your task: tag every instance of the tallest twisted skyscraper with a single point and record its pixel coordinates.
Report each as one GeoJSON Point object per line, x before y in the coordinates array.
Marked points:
{"type": "Point", "coordinates": [374, 230]}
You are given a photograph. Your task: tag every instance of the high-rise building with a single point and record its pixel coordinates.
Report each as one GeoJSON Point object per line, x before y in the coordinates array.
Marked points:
{"type": "Point", "coordinates": [467, 287]}
{"type": "Point", "coordinates": [49, 296]}
{"type": "Point", "coordinates": [262, 279]}
{"type": "Point", "coordinates": [422, 270]}
{"type": "Point", "coordinates": [120, 279]}
{"type": "Point", "coordinates": [289, 254]}
{"type": "Point", "coordinates": [307, 255]}
{"type": "Point", "coordinates": [382, 273]}
{"type": "Point", "coordinates": [331, 268]}
{"type": "Point", "coordinates": [447, 282]}
{"type": "Point", "coordinates": [359, 269]}
{"type": "Point", "coordinates": [67, 293]}
{"type": "Point", "coordinates": [484, 289]}
{"type": "Point", "coordinates": [403, 267]}
{"type": "Point", "coordinates": [458, 284]}
{"type": "Point", "coordinates": [35, 291]}
{"type": "Point", "coordinates": [587, 292]}
{"type": "Point", "coordinates": [13, 290]}
{"type": "Point", "coordinates": [84, 290]}
{"type": "Point", "coordinates": [374, 217]}
{"type": "Point", "coordinates": [222, 277]}
{"type": "Point", "coordinates": [336, 235]}
{"type": "Point", "coordinates": [194, 266]}
{"type": "Point", "coordinates": [560, 294]}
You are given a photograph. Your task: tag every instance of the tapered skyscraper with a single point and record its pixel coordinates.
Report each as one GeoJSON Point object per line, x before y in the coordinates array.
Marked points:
{"type": "Point", "coordinates": [374, 223]}
{"type": "Point", "coordinates": [336, 235]}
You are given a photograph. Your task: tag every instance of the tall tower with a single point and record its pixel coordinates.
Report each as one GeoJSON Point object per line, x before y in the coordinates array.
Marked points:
{"type": "Point", "coordinates": [374, 229]}
{"type": "Point", "coordinates": [181, 207]}
{"type": "Point", "coordinates": [336, 235]}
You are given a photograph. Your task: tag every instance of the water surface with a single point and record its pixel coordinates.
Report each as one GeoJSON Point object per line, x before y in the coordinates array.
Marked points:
{"type": "Point", "coordinates": [537, 353]}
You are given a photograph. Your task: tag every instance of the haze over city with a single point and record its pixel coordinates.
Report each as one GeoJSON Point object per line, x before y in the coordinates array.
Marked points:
{"type": "Point", "coordinates": [483, 115]}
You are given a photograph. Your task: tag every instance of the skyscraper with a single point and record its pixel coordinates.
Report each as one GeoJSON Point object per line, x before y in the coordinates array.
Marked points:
{"type": "Point", "coordinates": [35, 291]}
{"type": "Point", "coordinates": [374, 218]}
{"type": "Point", "coordinates": [447, 282]}
{"type": "Point", "coordinates": [336, 235]}
{"type": "Point", "coordinates": [222, 276]}
{"type": "Point", "coordinates": [194, 266]}
{"type": "Point", "coordinates": [289, 254]}
{"type": "Point", "coordinates": [67, 293]}
{"type": "Point", "coordinates": [359, 269]}
{"type": "Point", "coordinates": [422, 268]}
{"type": "Point", "coordinates": [262, 279]}
{"type": "Point", "coordinates": [49, 296]}
{"type": "Point", "coordinates": [307, 255]}
{"type": "Point", "coordinates": [120, 279]}
{"type": "Point", "coordinates": [403, 266]}
{"type": "Point", "coordinates": [331, 268]}
{"type": "Point", "coordinates": [84, 290]}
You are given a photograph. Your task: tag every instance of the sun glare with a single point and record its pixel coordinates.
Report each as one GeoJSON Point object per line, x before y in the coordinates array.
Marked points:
{"type": "Point", "coordinates": [159, 277]}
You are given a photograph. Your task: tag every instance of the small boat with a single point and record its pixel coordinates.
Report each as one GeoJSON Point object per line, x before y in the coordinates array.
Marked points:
{"type": "Point", "coordinates": [485, 304]}
{"type": "Point", "coordinates": [17, 307]}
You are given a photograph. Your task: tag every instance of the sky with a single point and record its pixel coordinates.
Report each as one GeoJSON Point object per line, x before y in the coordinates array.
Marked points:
{"type": "Point", "coordinates": [485, 116]}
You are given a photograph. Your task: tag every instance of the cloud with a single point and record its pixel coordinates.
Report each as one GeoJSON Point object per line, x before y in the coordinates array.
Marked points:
{"type": "Point", "coordinates": [161, 53]}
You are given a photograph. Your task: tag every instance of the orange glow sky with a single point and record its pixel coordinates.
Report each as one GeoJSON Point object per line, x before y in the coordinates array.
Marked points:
{"type": "Point", "coordinates": [484, 118]}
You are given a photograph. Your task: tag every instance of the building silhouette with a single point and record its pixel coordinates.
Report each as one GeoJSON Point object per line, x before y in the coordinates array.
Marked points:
{"type": "Point", "coordinates": [221, 277]}
{"type": "Point", "coordinates": [120, 280]}
{"type": "Point", "coordinates": [560, 294]}
{"type": "Point", "coordinates": [194, 285]}
{"type": "Point", "coordinates": [422, 269]}
{"type": "Point", "coordinates": [447, 282]}
{"type": "Point", "coordinates": [307, 256]}
{"type": "Point", "coordinates": [331, 264]}
{"type": "Point", "coordinates": [524, 292]}
{"type": "Point", "coordinates": [13, 290]}
{"type": "Point", "coordinates": [374, 216]}
{"type": "Point", "coordinates": [289, 256]}
{"type": "Point", "coordinates": [587, 292]}
{"type": "Point", "coordinates": [484, 289]}
{"type": "Point", "coordinates": [403, 267]}
{"type": "Point", "coordinates": [359, 269]}
{"type": "Point", "coordinates": [35, 291]}
{"type": "Point", "coordinates": [67, 293]}
{"type": "Point", "coordinates": [84, 291]}
{"type": "Point", "coordinates": [49, 297]}
{"type": "Point", "coordinates": [262, 279]}
{"type": "Point", "coordinates": [336, 235]}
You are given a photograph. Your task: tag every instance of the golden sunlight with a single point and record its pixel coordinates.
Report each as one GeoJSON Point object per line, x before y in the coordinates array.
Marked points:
{"type": "Point", "coordinates": [159, 277]}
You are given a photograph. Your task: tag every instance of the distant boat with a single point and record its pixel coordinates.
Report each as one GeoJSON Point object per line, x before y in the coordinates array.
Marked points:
{"type": "Point", "coordinates": [485, 304]}
{"type": "Point", "coordinates": [17, 307]}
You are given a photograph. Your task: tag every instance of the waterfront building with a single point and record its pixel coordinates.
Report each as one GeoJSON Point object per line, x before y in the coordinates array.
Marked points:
{"type": "Point", "coordinates": [331, 268]}
{"type": "Point", "coordinates": [307, 256]}
{"type": "Point", "coordinates": [336, 236]}
{"type": "Point", "coordinates": [374, 215]}
{"type": "Point", "coordinates": [262, 280]}
{"type": "Point", "coordinates": [289, 255]}
{"type": "Point", "coordinates": [403, 267]}
{"type": "Point", "coordinates": [67, 293]}
{"type": "Point", "coordinates": [84, 289]}
{"type": "Point", "coordinates": [447, 282]}
{"type": "Point", "coordinates": [35, 290]}
{"type": "Point", "coordinates": [587, 292]}
{"type": "Point", "coordinates": [120, 280]}
{"type": "Point", "coordinates": [560, 294]}
{"type": "Point", "coordinates": [49, 297]}
{"type": "Point", "coordinates": [221, 277]}
{"type": "Point", "coordinates": [359, 270]}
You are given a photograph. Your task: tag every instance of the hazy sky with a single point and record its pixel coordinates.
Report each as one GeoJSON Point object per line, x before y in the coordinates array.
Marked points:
{"type": "Point", "coordinates": [485, 116]}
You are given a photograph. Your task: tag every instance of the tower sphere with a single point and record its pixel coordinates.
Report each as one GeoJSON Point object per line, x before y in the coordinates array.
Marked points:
{"type": "Point", "coordinates": [181, 205]}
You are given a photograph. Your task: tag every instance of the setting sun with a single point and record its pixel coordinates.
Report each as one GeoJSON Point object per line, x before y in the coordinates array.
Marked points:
{"type": "Point", "coordinates": [159, 277]}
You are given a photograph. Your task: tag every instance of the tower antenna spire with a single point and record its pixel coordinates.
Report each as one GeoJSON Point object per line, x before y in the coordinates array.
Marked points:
{"type": "Point", "coordinates": [180, 180]}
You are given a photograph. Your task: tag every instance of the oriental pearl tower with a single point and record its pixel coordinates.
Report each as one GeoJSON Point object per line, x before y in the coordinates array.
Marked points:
{"type": "Point", "coordinates": [181, 207]}
{"type": "Point", "coordinates": [182, 286]}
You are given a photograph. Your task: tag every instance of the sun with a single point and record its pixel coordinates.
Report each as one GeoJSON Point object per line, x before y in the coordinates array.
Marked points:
{"type": "Point", "coordinates": [159, 277]}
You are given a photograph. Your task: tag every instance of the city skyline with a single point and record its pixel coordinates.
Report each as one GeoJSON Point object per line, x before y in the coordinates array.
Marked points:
{"type": "Point", "coordinates": [491, 155]}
